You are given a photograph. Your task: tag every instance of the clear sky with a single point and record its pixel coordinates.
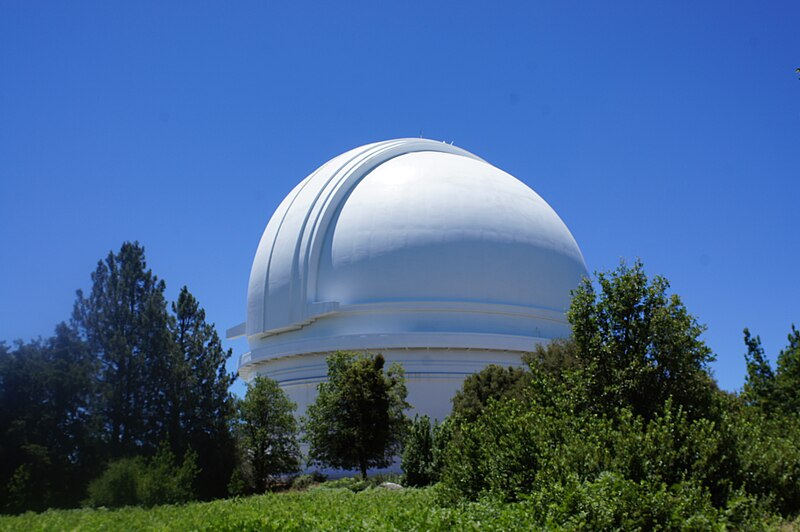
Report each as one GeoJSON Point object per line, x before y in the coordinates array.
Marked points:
{"type": "Point", "coordinates": [668, 131]}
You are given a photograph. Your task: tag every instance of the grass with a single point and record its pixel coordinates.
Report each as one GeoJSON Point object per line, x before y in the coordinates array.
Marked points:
{"type": "Point", "coordinates": [321, 508]}
{"type": "Point", "coordinates": [317, 509]}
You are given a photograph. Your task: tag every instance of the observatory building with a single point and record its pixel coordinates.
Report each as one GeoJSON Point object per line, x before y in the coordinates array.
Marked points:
{"type": "Point", "coordinates": [415, 249]}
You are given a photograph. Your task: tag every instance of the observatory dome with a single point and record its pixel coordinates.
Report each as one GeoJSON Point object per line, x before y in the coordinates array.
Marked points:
{"type": "Point", "coordinates": [413, 248]}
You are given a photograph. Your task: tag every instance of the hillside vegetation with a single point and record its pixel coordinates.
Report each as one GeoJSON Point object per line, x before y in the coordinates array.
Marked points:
{"type": "Point", "coordinates": [318, 509]}
{"type": "Point", "coordinates": [336, 509]}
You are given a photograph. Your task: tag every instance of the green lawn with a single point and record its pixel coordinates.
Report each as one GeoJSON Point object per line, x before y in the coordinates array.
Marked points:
{"type": "Point", "coordinates": [340, 509]}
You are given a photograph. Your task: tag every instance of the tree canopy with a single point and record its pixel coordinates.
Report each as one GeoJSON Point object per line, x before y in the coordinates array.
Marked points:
{"type": "Point", "coordinates": [47, 442]}
{"type": "Point", "coordinates": [773, 390]}
{"type": "Point", "coordinates": [491, 383]}
{"type": "Point", "coordinates": [124, 321]}
{"type": "Point", "coordinates": [358, 419]}
{"type": "Point", "coordinates": [637, 344]}
{"type": "Point", "coordinates": [124, 378]}
{"type": "Point", "coordinates": [268, 433]}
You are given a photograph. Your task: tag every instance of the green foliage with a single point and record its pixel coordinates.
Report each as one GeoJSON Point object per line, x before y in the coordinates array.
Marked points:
{"type": "Point", "coordinates": [774, 392]}
{"type": "Point", "coordinates": [163, 481]}
{"type": "Point", "coordinates": [268, 434]}
{"type": "Point", "coordinates": [492, 382]}
{"type": "Point", "coordinates": [637, 345]}
{"type": "Point", "coordinates": [237, 485]}
{"type": "Point", "coordinates": [759, 387]}
{"type": "Point", "coordinates": [612, 502]}
{"type": "Point", "coordinates": [442, 433]}
{"type": "Point", "coordinates": [417, 458]}
{"type": "Point", "coordinates": [768, 456]}
{"type": "Point", "coordinates": [124, 320]}
{"type": "Point", "coordinates": [600, 438]}
{"type": "Point", "coordinates": [304, 482]}
{"type": "Point", "coordinates": [201, 408]}
{"type": "Point", "coordinates": [161, 375]}
{"type": "Point", "coordinates": [357, 420]}
{"type": "Point", "coordinates": [354, 484]}
{"type": "Point", "coordinates": [608, 503]}
{"type": "Point", "coordinates": [118, 485]}
{"type": "Point", "coordinates": [737, 469]}
{"type": "Point", "coordinates": [139, 481]}
{"type": "Point", "coordinates": [787, 376]}
{"type": "Point", "coordinates": [46, 443]}
{"type": "Point", "coordinates": [122, 377]}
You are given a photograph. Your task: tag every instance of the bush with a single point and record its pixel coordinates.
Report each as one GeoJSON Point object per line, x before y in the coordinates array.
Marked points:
{"type": "Point", "coordinates": [417, 459]}
{"type": "Point", "coordinates": [118, 485]}
{"type": "Point", "coordinates": [139, 481]}
{"type": "Point", "coordinates": [736, 465]}
{"type": "Point", "coordinates": [612, 502]}
{"type": "Point", "coordinates": [304, 482]}
{"type": "Point", "coordinates": [165, 482]}
{"type": "Point", "coordinates": [354, 484]}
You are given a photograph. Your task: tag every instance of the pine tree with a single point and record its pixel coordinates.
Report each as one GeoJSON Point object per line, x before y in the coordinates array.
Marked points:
{"type": "Point", "coordinates": [787, 378]}
{"type": "Point", "coordinates": [124, 320]}
{"type": "Point", "coordinates": [202, 408]}
{"type": "Point", "coordinates": [759, 386]}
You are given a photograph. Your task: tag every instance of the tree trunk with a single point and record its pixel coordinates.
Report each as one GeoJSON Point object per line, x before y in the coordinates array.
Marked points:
{"type": "Point", "coordinates": [363, 466]}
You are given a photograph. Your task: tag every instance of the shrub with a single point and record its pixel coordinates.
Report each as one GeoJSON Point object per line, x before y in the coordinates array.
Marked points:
{"type": "Point", "coordinates": [118, 485]}
{"type": "Point", "coordinates": [354, 484]}
{"type": "Point", "coordinates": [165, 482]}
{"type": "Point", "coordinates": [139, 481]}
{"type": "Point", "coordinates": [612, 502]}
{"type": "Point", "coordinates": [304, 482]}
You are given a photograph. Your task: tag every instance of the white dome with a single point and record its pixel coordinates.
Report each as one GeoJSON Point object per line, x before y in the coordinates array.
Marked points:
{"type": "Point", "coordinates": [413, 248]}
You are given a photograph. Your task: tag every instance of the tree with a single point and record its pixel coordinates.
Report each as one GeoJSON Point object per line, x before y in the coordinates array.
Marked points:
{"type": "Point", "coordinates": [124, 320]}
{"type": "Point", "coordinates": [759, 386]}
{"type": "Point", "coordinates": [357, 420]}
{"type": "Point", "coordinates": [773, 391]}
{"type": "Point", "coordinates": [491, 383]}
{"type": "Point", "coordinates": [637, 345]}
{"type": "Point", "coordinates": [202, 408]}
{"type": "Point", "coordinates": [417, 460]}
{"type": "Point", "coordinates": [46, 444]}
{"type": "Point", "coordinates": [787, 378]}
{"type": "Point", "coordinates": [268, 433]}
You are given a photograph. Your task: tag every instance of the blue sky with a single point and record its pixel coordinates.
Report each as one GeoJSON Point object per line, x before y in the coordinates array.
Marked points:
{"type": "Point", "coordinates": [668, 131]}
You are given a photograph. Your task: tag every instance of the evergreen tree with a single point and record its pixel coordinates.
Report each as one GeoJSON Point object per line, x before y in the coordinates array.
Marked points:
{"type": "Point", "coordinates": [201, 407]}
{"type": "Point", "coordinates": [125, 322]}
{"type": "Point", "coordinates": [357, 420]}
{"type": "Point", "coordinates": [759, 386]}
{"type": "Point", "coordinates": [268, 434]}
{"type": "Point", "coordinates": [773, 391]}
{"type": "Point", "coordinates": [787, 378]}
